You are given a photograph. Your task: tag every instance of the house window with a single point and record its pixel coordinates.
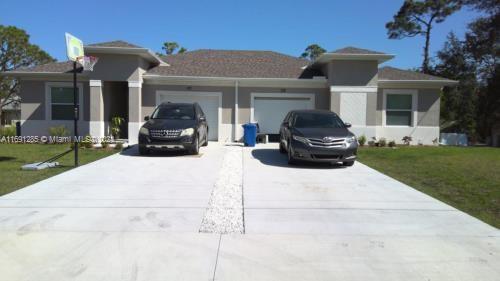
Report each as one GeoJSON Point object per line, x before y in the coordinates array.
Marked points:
{"type": "Point", "coordinates": [399, 109]}
{"type": "Point", "coordinates": [61, 102]}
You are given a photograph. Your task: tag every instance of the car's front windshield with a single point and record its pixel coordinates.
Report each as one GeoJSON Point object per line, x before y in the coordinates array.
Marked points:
{"type": "Point", "coordinates": [178, 112]}
{"type": "Point", "coordinates": [317, 120]}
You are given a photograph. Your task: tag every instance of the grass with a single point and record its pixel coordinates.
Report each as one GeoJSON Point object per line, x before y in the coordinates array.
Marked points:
{"type": "Point", "coordinates": [13, 156]}
{"type": "Point", "coordinates": [467, 178]}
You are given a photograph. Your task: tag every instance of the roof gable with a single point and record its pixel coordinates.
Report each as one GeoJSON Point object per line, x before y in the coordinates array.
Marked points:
{"type": "Point", "coordinates": [116, 44]}
{"type": "Point", "coordinates": [356, 51]}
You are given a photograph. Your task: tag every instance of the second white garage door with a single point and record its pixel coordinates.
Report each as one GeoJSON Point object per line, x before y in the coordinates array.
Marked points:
{"type": "Point", "coordinates": [269, 110]}
{"type": "Point", "coordinates": [209, 102]}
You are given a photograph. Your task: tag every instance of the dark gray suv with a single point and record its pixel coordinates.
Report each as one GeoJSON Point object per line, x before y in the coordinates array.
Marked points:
{"type": "Point", "coordinates": [319, 136]}
{"type": "Point", "coordinates": [174, 126]}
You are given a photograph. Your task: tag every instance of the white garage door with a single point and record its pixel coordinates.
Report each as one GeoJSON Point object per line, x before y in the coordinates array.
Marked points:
{"type": "Point", "coordinates": [209, 104]}
{"type": "Point", "coordinates": [269, 112]}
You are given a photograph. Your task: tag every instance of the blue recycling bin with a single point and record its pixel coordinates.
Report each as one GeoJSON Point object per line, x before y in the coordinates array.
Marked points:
{"type": "Point", "coordinates": [249, 134]}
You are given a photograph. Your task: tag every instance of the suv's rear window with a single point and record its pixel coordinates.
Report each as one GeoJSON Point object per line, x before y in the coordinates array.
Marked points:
{"type": "Point", "coordinates": [317, 120]}
{"type": "Point", "coordinates": [182, 112]}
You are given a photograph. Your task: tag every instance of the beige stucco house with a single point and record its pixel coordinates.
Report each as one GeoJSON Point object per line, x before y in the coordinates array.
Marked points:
{"type": "Point", "coordinates": [233, 88]}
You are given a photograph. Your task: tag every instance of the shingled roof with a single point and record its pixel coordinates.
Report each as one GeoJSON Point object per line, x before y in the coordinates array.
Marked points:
{"type": "Point", "coordinates": [356, 51]}
{"type": "Point", "coordinates": [52, 67]}
{"type": "Point", "coordinates": [117, 43]}
{"type": "Point", "coordinates": [392, 73]}
{"type": "Point", "coordinates": [231, 63]}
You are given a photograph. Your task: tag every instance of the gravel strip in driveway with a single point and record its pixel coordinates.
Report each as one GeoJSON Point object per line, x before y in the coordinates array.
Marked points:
{"type": "Point", "coordinates": [225, 207]}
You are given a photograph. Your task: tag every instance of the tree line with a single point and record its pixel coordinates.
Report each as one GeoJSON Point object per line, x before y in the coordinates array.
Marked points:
{"type": "Point", "coordinates": [473, 106]}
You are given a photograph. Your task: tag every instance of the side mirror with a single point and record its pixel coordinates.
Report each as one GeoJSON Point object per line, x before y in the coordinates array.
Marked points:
{"type": "Point", "coordinates": [347, 125]}
{"type": "Point", "coordinates": [146, 118]}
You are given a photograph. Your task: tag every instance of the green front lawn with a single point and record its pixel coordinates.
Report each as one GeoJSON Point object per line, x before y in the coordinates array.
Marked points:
{"type": "Point", "coordinates": [13, 156]}
{"type": "Point", "coordinates": [468, 178]}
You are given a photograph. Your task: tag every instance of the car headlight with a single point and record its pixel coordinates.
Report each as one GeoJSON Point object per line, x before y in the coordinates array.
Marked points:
{"type": "Point", "coordinates": [143, 131]}
{"type": "Point", "coordinates": [187, 132]}
{"type": "Point", "coordinates": [351, 139]}
{"type": "Point", "coordinates": [301, 139]}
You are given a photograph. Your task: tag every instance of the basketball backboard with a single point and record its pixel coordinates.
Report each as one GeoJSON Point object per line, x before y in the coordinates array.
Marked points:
{"type": "Point", "coordinates": [74, 47]}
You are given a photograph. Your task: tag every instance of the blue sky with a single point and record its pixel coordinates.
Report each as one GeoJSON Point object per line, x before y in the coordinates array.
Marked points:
{"type": "Point", "coordinates": [282, 26]}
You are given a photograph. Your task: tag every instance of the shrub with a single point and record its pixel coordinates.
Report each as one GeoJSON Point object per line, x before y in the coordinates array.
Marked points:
{"type": "Point", "coordinates": [362, 140]}
{"type": "Point", "coordinates": [119, 146]}
{"type": "Point", "coordinates": [87, 142]}
{"type": "Point", "coordinates": [104, 144]}
{"type": "Point", "coordinates": [407, 139]}
{"type": "Point", "coordinates": [116, 123]}
{"type": "Point", "coordinates": [392, 143]}
{"type": "Point", "coordinates": [371, 143]}
{"type": "Point", "coordinates": [58, 131]}
{"type": "Point", "coordinates": [8, 131]}
{"type": "Point", "coordinates": [382, 142]}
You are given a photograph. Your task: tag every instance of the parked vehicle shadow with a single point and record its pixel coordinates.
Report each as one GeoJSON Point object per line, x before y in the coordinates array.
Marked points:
{"type": "Point", "coordinates": [134, 151]}
{"type": "Point", "coordinates": [272, 157]}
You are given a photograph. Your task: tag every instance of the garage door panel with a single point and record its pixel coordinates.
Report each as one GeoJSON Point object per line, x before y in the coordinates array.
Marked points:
{"type": "Point", "coordinates": [209, 105]}
{"type": "Point", "coordinates": [269, 112]}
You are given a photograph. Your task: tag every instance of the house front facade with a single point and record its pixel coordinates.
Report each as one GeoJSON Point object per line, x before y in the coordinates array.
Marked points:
{"type": "Point", "coordinates": [233, 88]}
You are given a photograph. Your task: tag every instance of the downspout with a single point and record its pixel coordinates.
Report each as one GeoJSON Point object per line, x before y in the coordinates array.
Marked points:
{"type": "Point", "coordinates": [236, 111]}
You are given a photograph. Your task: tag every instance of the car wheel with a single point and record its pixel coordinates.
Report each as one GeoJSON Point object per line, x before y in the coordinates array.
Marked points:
{"type": "Point", "coordinates": [143, 150]}
{"type": "Point", "coordinates": [348, 164]}
{"type": "Point", "coordinates": [195, 150]}
{"type": "Point", "coordinates": [282, 149]}
{"type": "Point", "coordinates": [205, 142]}
{"type": "Point", "coordinates": [291, 160]}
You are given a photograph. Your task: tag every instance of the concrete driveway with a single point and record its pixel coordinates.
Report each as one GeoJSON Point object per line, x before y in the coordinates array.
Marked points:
{"type": "Point", "coordinates": [128, 217]}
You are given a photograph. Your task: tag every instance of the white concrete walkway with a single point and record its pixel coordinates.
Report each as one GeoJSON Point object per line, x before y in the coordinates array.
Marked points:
{"type": "Point", "coordinates": [137, 218]}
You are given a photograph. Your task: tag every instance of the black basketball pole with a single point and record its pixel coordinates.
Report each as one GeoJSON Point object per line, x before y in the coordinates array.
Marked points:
{"type": "Point", "coordinates": [76, 107]}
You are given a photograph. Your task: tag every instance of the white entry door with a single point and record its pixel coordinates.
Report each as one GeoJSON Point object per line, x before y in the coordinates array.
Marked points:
{"type": "Point", "coordinates": [270, 110]}
{"type": "Point", "coordinates": [209, 103]}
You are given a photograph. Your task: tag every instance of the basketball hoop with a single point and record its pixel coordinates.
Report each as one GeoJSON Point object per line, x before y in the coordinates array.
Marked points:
{"type": "Point", "coordinates": [87, 62]}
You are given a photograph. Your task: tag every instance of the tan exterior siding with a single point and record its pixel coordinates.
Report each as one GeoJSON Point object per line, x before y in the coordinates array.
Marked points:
{"type": "Point", "coordinates": [149, 98]}
{"type": "Point", "coordinates": [32, 93]}
{"type": "Point", "coordinates": [371, 109]}
{"type": "Point", "coordinates": [380, 105]}
{"type": "Point", "coordinates": [117, 68]}
{"type": "Point", "coordinates": [352, 73]}
{"type": "Point", "coordinates": [428, 107]}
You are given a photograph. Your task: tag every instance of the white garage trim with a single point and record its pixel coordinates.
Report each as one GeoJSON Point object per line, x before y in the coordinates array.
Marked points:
{"type": "Point", "coordinates": [197, 94]}
{"type": "Point", "coordinates": [311, 98]}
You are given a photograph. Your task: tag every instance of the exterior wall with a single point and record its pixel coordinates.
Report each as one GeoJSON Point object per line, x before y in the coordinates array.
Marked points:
{"type": "Point", "coordinates": [34, 120]}
{"type": "Point", "coordinates": [427, 129]}
{"type": "Point", "coordinates": [352, 73]}
{"type": "Point", "coordinates": [428, 107]}
{"type": "Point", "coordinates": [149, 98]}
{"type": "Point", "coordinates": [228, 99]}
{"type": "Point", "coordinates": [321, 97]}
{"type": "Point", "coordinates": [111, 67]}
{"type": "Point", "coordinates": [226, 127]}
